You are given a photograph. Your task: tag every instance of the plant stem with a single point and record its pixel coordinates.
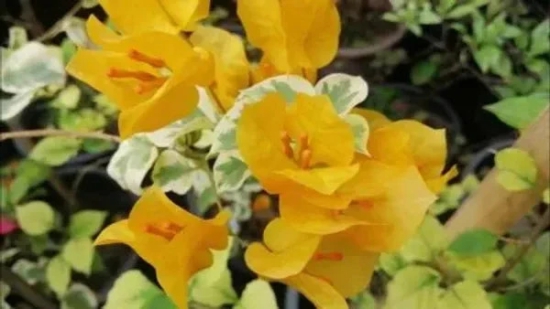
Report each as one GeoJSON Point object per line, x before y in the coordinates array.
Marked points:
{"type": "Point", "coordinates": [539, 228]}
{"type": "Point", "coordinates": [22, 288]}
{"type": "Point", "coordinates": [58, 26]}
{"type": "Point", "coordinates": [56, 132]}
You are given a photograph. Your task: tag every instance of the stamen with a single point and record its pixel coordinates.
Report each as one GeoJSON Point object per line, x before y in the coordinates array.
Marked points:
{"type": "Point", "coordinates": [305, 159]}
{"type": "Point", "coordinates": [337, 212]}
{"type": "Point", "coordinates": [287, 149]}
{"type": "Point", "coordinates": [304, 142]}
{"type": "Point", "coordinates": [172, 227]}
{"type": "Point", "coordinates": [331, 256]}
{"type": "Point", "coordinates": [151, 229]}
{"type": "Point", "coordinates": [149, 86]}
{"type": "Point", "coordinates": [140, 75]}
{"type": "Point", "coordinates": [138, 56]}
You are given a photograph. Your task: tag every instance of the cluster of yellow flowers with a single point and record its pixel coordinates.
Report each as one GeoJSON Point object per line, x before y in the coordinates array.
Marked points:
{"type": "Point", "coordinates": [338, 208]}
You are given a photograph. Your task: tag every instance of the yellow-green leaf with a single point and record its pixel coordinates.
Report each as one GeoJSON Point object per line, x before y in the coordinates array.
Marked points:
{"type": "Point", "coordinates": [257, 294]}
{"type": "Point", "coordinates": [464, 295]}
{"type": "Point", "coordinates": [517, 170]}
{"type": "Point", "coordinates": [415, 287]}
{"type": "Point", "coordinates": [479, 267]}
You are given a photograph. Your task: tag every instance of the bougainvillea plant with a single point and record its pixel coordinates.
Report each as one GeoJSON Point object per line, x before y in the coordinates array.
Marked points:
{"type": "Point", "coordinates": [350, 184]}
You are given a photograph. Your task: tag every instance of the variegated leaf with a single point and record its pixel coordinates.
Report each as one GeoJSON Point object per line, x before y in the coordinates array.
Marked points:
{"type": "Point", "coordinates": [230, 172]}
{"type": "Point", "coordinates": [361, 131]}
{"type": "Point", "coordinates": [172, 172]}
{"type": "Point", "coordinates": [345, 91]}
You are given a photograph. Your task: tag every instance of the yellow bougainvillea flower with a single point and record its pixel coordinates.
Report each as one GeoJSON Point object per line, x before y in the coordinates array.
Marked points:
{"type": "Point", "coordinates": [171, 16]}
{"type": "Point", "coordinates": [325, 269]}
{"type": "Point", "coordinates": [304, 147]}
{"type": "Point", "coordinates": [231, 65]}
{"type": "Point", "coordinates": [265, 70]}
{"type": "Point", "coordinates": [174, 241]}
{"type": "Point", "coordinates": [412, 143]}
{"type": "Point", "coordinates": [151, 76]}
{"type": "Point", "coordinates": [292, 34]}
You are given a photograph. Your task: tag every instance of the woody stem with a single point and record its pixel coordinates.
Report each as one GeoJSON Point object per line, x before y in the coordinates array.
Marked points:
{"type": "Point", "coordinates": [56, 132]}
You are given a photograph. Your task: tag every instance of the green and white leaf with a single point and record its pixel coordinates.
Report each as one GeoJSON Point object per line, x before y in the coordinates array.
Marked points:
{"type": "Point", "coordinates": [17, 37]}
{"type": "Point", "coordinates": [414, 287]}
{"type": "Point", "coordinates": [257, 294]}
{"type": "Point", "coordinates": [79, 253]}
{"type": "Point", "coordinates": [517, 170]}
{"type": "Point", "coordinates": [207, 106]}
{"type": "Point", "coordinates": [86, 223]}
{"type": "Point", "coordinates": [172, 172]}
{"type": "Point", "coordinates": [79, 296]}
{"type": "Point", "coordinates": [31, 67]}
{"type": "Point", "coordinates": [58, 275]}
{"type": "Point", "coordinates": [13, 105]}
{"type": "Point", "coordinates": [132, 161]}
{"type": "Point", "coordinates": [204, 191]}
{"type": "Point", "coordinates": [286, 85]}
{"type": "Point", "coordinates": [167, 136]}
{"type": "Point", "coordinates": [76, 31]}
{"type": "Point", "coordinates": [29, 271]}
{"type": "Point", "coordinates": [212, 286]}
{"type": "Point", "coordinates": [133, 290]}
{"type": "Point", "coordinates": [55, 150]}
{"type": "Point", "coordinates": [465, 295]}
{"type": "Point", "coordinates": [345, 91]}
{"type": "Point", "coordinates": [35, 218]}
{"type": "Point", "coordinates": [361, 131]}
{"type": "Point", "coordinates": [230, 172]}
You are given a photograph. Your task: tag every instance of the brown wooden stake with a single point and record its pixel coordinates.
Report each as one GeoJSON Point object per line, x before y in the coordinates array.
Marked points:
{"type": "Point", "coordinates": [494, 208]}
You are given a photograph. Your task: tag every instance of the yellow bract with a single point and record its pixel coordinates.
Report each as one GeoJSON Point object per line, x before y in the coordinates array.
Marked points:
{"type": "Point", "coordinates": [174, 241]}
{"type": "Point", "coordinates": [231, 65]}
{"type": "Point", "coordinates": [172, 16]}
{"type": "Point", "coordinates": [293, 35]}
{"type": "Point", "coordinates": [150, 76]}
{"type": "Point", "coordinates": [303, 147]}
{"type": "Point", "coordinates": [325, 269]}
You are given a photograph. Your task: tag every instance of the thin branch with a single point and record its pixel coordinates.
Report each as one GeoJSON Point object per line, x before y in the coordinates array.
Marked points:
{"type": "Point", "coordinates": [541, 226]}
{"type": "Point", "coordinates": [22, 288]}
{"type": "Point", "coordinates": [56, 132]}
{"type": "Point", "coordinates": [58, 26]}
{"type": "Point", "coordinates": [27, 14]}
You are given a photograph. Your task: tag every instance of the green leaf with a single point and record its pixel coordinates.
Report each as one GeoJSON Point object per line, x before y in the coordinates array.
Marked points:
{"type": "Point", "coordinates": [361, 131]}
{"type": "Point", "coordinates": [85, 119]}
{"type": "Point", "coordinates": [345, 91]}
{"type": "Point", "coordinates": [31, 67]}
{"type": "Point", "coordinates": [517, 170]}
{"type": "Point", "coordinates": [428, 17]}
{"type": "Point", "coordinates": [364, 300]}
{"type": "Point", "coordinates": [35, 218]}
{"type": "Point", "coordinates": [86, 223]}
{"type": "Point", "coordinates": [427, 243]}
{"type": "Point", "coordinates": [55, 150]}
{"type": "Point", "coordinates": [68, 48]}
{"type": "Point", "coordinates": [257, 294]}
{"type": "Point", "coordinates": [58, 275]}
{"type": "Point", "coordinates": [133, 290]}
{"type": "Point", "coordinates": [465, 295]}
{"type": "Point", "coordinates": [68, 98]}
{"type": "Point", "coordinates": [88, 4]}
{"type": "Point", "coordinates": [445, 5]}
{"type": "Point", "coordinates": [478, 267]}
{"type": "Point", "coordinates": [230, 172]}
{"type": "Point", "coordinates": [487, 56]}
{"type": "Point", "coordinates": [75, 28]}
{"type": "Point", "coordinates": [519, 112]}
{"type": "Point", "coordinates": [511, 301]}
{"type": "Point", "coordinates": [79, 296]}
{"type": "Point", "coordinates": [539, 39]}
{"type": "Point", "coordinates": [503, 67]}
{"type": "Point", "coordinates": [91, 145]}
{"type": "Point", "coordinates": [473, 242]}
{"type": "Point", "coordinates": [415, 287]}
{"type": "Point", "coordinates": [79, 253]}
{"type": "Point", "coordinates": [172, 172]}
{"type": "Point", "coordinates": [28, 174]}
{"type": "Point", "coordinates": [392, 263]}
{"type": "Point", "coordinates": [38, 243]}
{"type": "Point", "coordinates": [461, 11]}
{"type": "Point", "coordinates": [531, 265]}
{"type": "Point", "coordinates": [423, 72]}
{"type": "Point", "coordinates": [29, 271]}
{"type": "Point", "coordinates": [546, 196]}
{"type": "Point", "coordinates": [4, 290]}
{"type": "Point", "coordinates": [449, 198]}
{"type": "Point", "coordinates": [17, 37]}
